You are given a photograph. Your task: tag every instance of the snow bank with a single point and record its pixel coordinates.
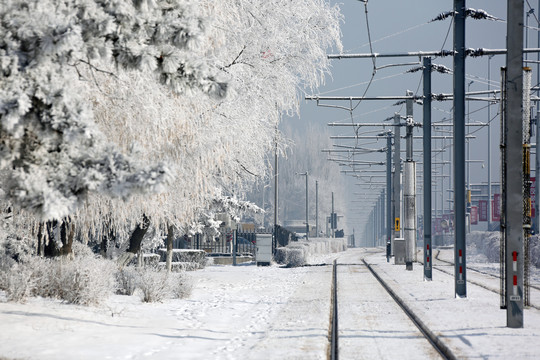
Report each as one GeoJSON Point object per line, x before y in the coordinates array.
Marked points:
{"type": "Point", "coordinates": [301, 252]}
{"type": "Point", "coordinates": [185, 259]}
{"type": "Point", "coordinates": [484, 246]}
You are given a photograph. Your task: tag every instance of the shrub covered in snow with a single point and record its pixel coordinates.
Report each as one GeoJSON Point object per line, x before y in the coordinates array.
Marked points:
{"type": "Point", "coordinates": [82, 280]}
{"type": "Point", "coordinates": [484, 246]}
{"type": "Point", "coordinates": [126, 279]}
{"type": "Point", "coordinates": [197, 258]}
{"type": "Point", "coordinates": [299, 253]}
{"type": "Point", "coordinates": [154, 283]}
{"type": "Point", "coordinates": [17, 282]}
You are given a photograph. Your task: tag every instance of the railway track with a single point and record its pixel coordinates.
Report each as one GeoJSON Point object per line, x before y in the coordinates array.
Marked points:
{"type": "Point", "coordinates": [484, 284]}
{"type": "Point", "coordinates": [373, 322]}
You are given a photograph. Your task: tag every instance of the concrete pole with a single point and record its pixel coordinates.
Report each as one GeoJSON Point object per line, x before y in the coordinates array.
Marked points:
{"type": "Point", "coordinates": [459, 150]}
{"type": "Point", "coordinates": [389, 195]}
{"type": "Point", "coordinates": [468, 163]}
{"type": "Point", "coordinates": [409, 192]}
{"type": "Point", "coordinates": [317, 208]}
{"type": "Point", "coordinates": [397, 180]}
{"type": "Point", "coordinates": [307, 208]}
{"type": "Point", "coordinates": [514, 159]}
{"type": "Point", "coordinates": [489, 147]}
{"type": "Point", "coordinates": [275, 195]}
{"type": "Point", "coordinates": [382, 206]}
{"type": "Point", "coordinates": [537, 157]}
{"type": "Point", "coordinates": [427, 169]}
{"type": "Point", "coordinates": [331, 217]}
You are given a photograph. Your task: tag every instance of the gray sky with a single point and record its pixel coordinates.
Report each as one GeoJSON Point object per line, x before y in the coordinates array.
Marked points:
{"type": "Point", "coordinates": [398, 26]}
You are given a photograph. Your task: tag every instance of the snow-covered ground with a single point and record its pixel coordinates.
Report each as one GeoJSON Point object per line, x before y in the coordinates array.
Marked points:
{"type": "Point", "coordinates": [250, 312]}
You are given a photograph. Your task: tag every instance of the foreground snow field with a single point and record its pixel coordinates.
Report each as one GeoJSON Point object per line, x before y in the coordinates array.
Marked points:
{"type": "Point", "coordinates": [233, 312]}
{"type": "Point", "coordinates": [250, 312]}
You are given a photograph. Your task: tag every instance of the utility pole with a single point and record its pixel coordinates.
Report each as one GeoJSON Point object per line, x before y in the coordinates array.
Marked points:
{"type": "Point", "coordinates": [536, 220]}
{"type": "Point", "coordinates": [333, 218]}
{"type": "Point", "coordinates": [396, 198]}
{"type": "Point", "coordinates": [514, 251]}
{"type": "Point", "coordinates": [460, 271]}
{"type": "Point", "coordinates": [427, 169]}
{"type": "Point", "coordinates": [537, 157]}
{"type": "Point", "coordinates": [389, 195]}
{"type": "Point", "coordinates": [275, 194]}
{"type": "Point", "coordinates": [307, 208]}
{"type": "Point", "coordinates": [317, 208]}
{"type": "Point", "coordinates": [409, 191]}
{"type": "Point", "coordinates": [489, 145]}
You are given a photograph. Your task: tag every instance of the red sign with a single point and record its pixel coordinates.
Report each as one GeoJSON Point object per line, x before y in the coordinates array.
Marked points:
{"type": "Point", "coordinates": [482, 210]}
{"type": "Point", "coordinates": [474, 215]}
{"type": "Point", "coordinates": [496, 208]}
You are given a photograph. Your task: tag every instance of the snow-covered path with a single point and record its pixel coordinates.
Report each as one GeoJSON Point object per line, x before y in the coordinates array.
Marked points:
{"type": "Point", "coordinates": [250, 312]}
{"type": "Point", "coordinates": [233, 312]}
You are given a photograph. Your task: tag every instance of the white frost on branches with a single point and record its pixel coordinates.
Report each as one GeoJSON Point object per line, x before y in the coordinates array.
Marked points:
{"type": "Point", "coordinates": [119, 87]}
{"type": "Point", "coordinates": [52, 153]}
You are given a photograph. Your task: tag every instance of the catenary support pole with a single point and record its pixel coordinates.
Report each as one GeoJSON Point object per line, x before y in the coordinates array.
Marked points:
{"type": "Point", "coordinates": [276, 191]}
{"type": "Point", "coordinates": [489, 148]}
{"type": "Point", "coordinates": [332, 227]}
{"type": "Point", "coordinates": [397, 182]}
{"type": "Point", "coordinates": [514, 158]}
{"type": "Point", "coordinates": [317, 208]}
{"type": "Point", "coordinates": [409, 191]}
{"type": "Point", "coordinates": [460, 257]}
{"type": "Point", "coordinates": [307, 207]}
{"type": "Point", "coordinates": [389, 196]}
{"type": "Point", "coordinates": [537, 157]}
{"type": "Point", "coordinates": [427, 170]}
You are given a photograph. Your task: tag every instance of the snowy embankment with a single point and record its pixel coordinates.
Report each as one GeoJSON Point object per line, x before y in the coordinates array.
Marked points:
{"type": "Point", "coordinates": [484, 246]}
{"type": "Point", "coordinates": [302, 252]}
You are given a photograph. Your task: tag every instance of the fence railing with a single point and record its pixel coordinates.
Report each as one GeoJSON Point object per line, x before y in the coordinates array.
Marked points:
{"type": "Point", "coordinates": [222, 244]}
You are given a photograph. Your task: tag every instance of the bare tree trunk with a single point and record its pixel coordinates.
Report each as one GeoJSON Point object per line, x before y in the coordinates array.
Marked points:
{"type": "Point", "coordinates": [135, 241]}
{"type": "Point", "coordinates": [109, 237]}
{"type": "Point", "coordinates": [41, 241]}
{"type": "Point", "coordinates": [67, 233]}
{"type": "Point", "coordinates": [60, 238]}
{"type": "Point", "coordinates": [50, 249]}
{"type": "Point", "coordinates": [170, 237]}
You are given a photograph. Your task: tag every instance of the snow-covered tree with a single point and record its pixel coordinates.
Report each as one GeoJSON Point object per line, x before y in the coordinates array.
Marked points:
{"type": "Point", "coordinates": [52, 153]}
{"type": "Point", "coordinates": [154, 111]}
{"type": "Point", "coordinates": [209, 143]}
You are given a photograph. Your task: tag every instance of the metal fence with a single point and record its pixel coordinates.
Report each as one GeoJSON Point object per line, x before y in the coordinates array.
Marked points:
{"type": "Point", "coordinates": [222, 244]}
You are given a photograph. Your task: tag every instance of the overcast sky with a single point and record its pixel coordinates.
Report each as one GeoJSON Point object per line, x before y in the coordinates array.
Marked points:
{"type": "Point", "coordinates": [397, 26]}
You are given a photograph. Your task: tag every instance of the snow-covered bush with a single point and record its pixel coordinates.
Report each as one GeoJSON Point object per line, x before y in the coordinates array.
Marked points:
{"type": "Point", "coordinates": [148, 260]}
{"type": "Point", "coordinates": [84, 280]}
{"type": "Point", "coordinates": [127, 279]}
{"type": "Point", "coordinates": [154, 284]}
{"type": "Point", "coordinates": [186, 256]}
{"type": "Point", "coordinates": [18, 282]}
{"type": "Point", "coordinates": [6, 263]}
{"type": "Point", "coordinates": [299, 253]}
{"type": "Point", "coordinates": [181, 285]}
